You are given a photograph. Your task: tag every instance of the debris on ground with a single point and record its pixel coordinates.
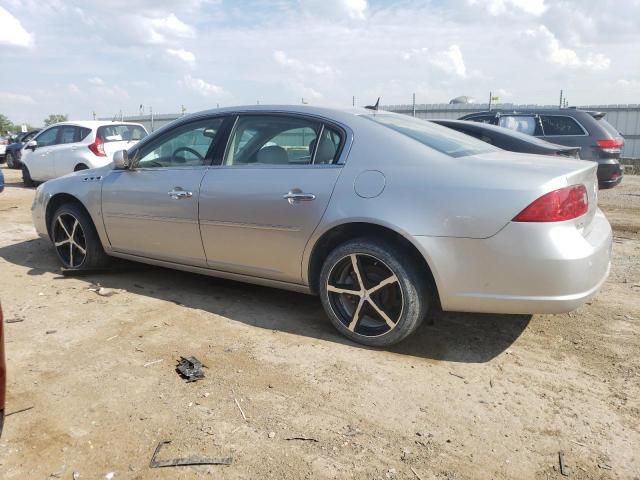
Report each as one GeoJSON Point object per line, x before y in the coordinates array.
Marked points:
{"type": "Point", "coordinates": [76, 475]}
{"type": "Point", "coordinates": [272, 434]}
{"type": "Point", "coordinates": [304, 439]}
{"type": "Point", "coordinates": [239, 407]}
{"type": "Point", "coordinates": [102, 291]}
{"type": "Point", "coordinates": [178, 462]}
{"type": "Point", "coordinates": [49, 332]}
{"type": "Point", "coordinates": [15, 319]}
{"type": "Point", "coordinates": [564, 471]}
{"type": "Point", "coordinates": [604, 466]}
{"type": "Point", "coordinates": [456, 375]}
{"type": "Point", "coordinates": [110, 475]}
{"type": "Point", "coordinates": [152, 363]}
{"type": "Point", "coordinates": [416, 473]}
{"type": "Point", "coordinates": [190, 368]}
{"type": "Point", "coordinates": [19, 411]}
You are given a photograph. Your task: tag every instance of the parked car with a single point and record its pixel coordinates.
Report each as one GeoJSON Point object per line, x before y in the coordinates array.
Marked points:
{"type": "Point", "coordinates": [3, 372]}
{"type": "Point", "coordinates": [508, 139]}
{"type": "Point", "coordinates": [3, 149]}
{"type": "Point", "coordinates": [598, 140]}
{"type": "Point", "coordinates": [14, 149]}
{"type": "Point", "coordinates": [381, 215]}
{"type": "Point", "coordinates": [71, 146]}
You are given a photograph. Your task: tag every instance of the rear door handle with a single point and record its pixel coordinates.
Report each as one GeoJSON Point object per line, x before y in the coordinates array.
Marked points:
{"type": "Point", "coordinates": [295, 197]}
{"type": "Point", "coordinates": [179, 194]}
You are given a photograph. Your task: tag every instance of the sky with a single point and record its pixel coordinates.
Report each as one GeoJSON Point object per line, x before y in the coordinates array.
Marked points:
{"type": "Point", "coordinates": [80, 57]}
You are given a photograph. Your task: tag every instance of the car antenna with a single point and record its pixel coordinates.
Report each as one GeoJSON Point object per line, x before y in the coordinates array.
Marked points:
{"type": "Point", "coordinates": [374, 107]}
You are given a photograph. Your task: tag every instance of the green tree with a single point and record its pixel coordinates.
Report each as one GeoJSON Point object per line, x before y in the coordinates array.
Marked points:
{"type": "Point", "coordinates": [5, 125]}
{"type": "Point", "coordinates": [55, 118]}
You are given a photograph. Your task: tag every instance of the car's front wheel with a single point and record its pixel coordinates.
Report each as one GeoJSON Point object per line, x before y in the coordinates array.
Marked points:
{"type": "Point", "coordinates": [75, 239]}
{"type": "Point", "coordinates": [373, 292]}
{"type": "Point", "coordinates": [11, 161]}
{"type": "Point", "coordinates": [26, 177]}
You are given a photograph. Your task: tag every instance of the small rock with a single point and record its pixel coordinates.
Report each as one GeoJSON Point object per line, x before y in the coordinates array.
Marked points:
{"type": "Point", "coordinates": [76, 475]}
{"type": "Point", "coordinates": [110, 475]}
{"type": "Point", "coordinates": [272, 434]}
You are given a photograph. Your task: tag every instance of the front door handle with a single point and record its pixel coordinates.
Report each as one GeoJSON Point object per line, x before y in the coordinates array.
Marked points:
{"type": "Point", "coordinates": [295, 197]}
{"type": "Point", "coordinates": [179, 194]}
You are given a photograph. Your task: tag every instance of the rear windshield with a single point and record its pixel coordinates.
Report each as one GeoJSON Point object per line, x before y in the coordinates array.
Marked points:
{"type": "Point", "coordinates": [609, 128]}
{"type": "Point", "coordinates": [121, 133]}
{"type": "Point", "coordinates": [442, 139]}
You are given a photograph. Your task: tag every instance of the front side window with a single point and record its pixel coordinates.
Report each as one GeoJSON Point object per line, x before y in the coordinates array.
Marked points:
{"type": "Point", "coordinates": [442, 139]}
{"type": "Point", "coordinates": [272, 140]}
{"type": "Point", "coordinates": [560, 125]}
{"type": "Point", "coordinates": [48, 137]}
{"type": "Point", "coordinates": [186, 146]}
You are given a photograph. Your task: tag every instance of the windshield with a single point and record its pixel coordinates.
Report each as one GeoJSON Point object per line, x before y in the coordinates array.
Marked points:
{"type": "Point", "coordinates": [442, 139]}
{"type": "Point", "coordinates": [120, 133]}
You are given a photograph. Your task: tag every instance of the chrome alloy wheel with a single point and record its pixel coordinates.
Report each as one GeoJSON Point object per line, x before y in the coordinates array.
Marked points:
{"type": "Point", "coordinates": [69, 240]}
{"type": "Point", "coordinates": [365, 295]}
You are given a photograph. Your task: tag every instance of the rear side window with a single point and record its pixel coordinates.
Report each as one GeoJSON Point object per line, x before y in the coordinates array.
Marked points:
{"type": "Point", "coordinates": [483, 119]}
{"type": "Point", "coordinates": [442, 139]}
{"type": "Point", "coordinates": [560, 125]}
{"type": "Point", "coordinates": [527, 124]}
{"type": "Point", "coordinates": [121, 133]}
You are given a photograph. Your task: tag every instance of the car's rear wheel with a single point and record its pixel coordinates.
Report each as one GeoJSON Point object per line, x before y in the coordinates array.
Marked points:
{"type": "Point", "coordinates": [75, 239]}
{"type": "Point", "coordinates": [373, 292]}
{"type": "Point", "coordinates": [26, 177]}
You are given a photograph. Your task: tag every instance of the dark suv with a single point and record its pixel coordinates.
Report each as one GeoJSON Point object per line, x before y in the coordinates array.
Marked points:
{"type": "Point", "coordinates": [598, 140]}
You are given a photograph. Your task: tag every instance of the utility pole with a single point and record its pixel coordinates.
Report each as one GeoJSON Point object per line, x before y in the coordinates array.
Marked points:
{"type": "Point", "coordinates": [490, 97]}
{"type": "Point", "coordinates": [151, 115]}
{"type": "Point", "coordinates": [561, 98]}
{"type": "Point", "coordinates": [414, 104]}
{"type": "Point", "coordinates": [353, 101]}
{"type": "Point", "coordinates": [94, 114]}
{"type": "Point", "coordinates": [183, 109]}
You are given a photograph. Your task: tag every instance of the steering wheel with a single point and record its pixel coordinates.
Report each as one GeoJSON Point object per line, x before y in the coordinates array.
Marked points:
{"type": "Point", "coordinates": [186, 149]}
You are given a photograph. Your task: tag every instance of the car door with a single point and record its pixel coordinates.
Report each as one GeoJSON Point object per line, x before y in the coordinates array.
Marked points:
{"type": "Point", "coordinates": [38, 160]}
{"type": "Point", "coordinates": [66, 155]}
{"type": "Point", "coordinates": [563, 130]}
{"type": "Point", "coordinates": [261, 205]}
{"type": "Point", "coordinates": [151, 210]}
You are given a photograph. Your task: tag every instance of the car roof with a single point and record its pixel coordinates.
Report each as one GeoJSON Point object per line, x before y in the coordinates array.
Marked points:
{"type": "Point", "coordinates": [526, 111]}
{"type": "Point", "coordinates": [92, 123]}
{"type": "Point", "coordinates": [507, 132]}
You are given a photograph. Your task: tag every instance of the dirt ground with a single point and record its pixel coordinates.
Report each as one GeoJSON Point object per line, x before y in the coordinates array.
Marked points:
{"type": "Point", "coordinates": [469, 397]}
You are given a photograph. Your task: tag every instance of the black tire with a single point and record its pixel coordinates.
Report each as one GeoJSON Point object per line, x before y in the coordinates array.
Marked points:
{"type": "Point", "coordinates": [11, 162]}
{"type": "Point", "coordinates": [26, 177]}
{"type": "Point", "coordinates": [70, 253]}
{"type": "Point", "coordinates": [379, 262]}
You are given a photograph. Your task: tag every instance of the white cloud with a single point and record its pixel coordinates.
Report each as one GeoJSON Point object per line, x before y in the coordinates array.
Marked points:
{"type": "Point", "coordinates": [16, 99]}
{"type": "Point", "coordinates": [501, 7]}
{"type": "Point", "coordinates": [336, 10]}
{"type": "Point", "coordinates": [12, 32]}
{"type": "Point", "coordinates": [184, 55]}
{"type": "Point", "coordinates": [202, 87]}
{"type": "Point", "coordinates": [96, 81]}
{"type": "Point", "coordinates": [301, 67]}
{"type": "Point", "coordinates": [74, 89]}
{"type": "Point", "coordinates": [164, 30]}
{"type": "Point", "coordinates": [566, 57]}
{"type": "Point", "coordinates": [450, 61]}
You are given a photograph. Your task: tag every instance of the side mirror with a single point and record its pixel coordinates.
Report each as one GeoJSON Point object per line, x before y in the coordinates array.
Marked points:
{"type": "Point", "coordinates": [121, 160]}
{"type": "Point", "coordinates": [31, 145]}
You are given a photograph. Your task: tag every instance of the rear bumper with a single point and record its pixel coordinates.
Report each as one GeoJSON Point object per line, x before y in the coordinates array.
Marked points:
{"type": "Point", "coordinates": [525, 268]}
{"type": "Point", "coordinates": [610, 173]}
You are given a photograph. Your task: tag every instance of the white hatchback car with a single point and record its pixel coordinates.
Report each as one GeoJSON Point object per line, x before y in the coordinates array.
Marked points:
{"type": "Point", "coordinates": [71, 146]}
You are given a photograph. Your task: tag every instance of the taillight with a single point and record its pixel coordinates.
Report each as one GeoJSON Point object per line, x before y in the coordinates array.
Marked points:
{"type": "Point", "coordinates": [564, 204]}
{"type": "Point", "coordinates": [611, 143]}
{"type": "Point", "coordinates": [97, 147]}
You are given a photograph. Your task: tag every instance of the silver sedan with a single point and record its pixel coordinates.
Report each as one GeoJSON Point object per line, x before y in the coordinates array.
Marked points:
{"type": "Point", "coordinates": [381, 215]}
